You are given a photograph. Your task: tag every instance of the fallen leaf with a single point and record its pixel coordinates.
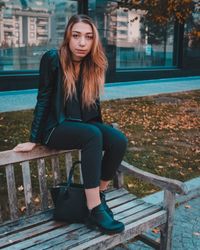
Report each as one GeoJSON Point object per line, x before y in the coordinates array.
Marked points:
{"type": "Point", "coordinates": [22, 209]}
{"type": "Point", "coordinates": [187, 206]}
{"type": "Point", "coordinates": [181, 173]}
{"type": "Point", "coordinates": [130, 185]}
{"type": "Point", "coordinates": [196, 233]}
{"type": "Point", "coordinates": [155, 230]}
{"type": "Point", "coordinates": [36, 200]}
{"type": "Point", "coordinates": [20, 188]}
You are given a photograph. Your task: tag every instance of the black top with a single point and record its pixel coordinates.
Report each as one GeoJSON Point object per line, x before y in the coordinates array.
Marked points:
{"type": "Point", "coordinates": [50, 109]}
{"type": "Point", "coordinates": [73, 107]}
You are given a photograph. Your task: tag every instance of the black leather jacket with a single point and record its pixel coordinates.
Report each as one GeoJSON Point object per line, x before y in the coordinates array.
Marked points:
{"type": "Point", "coordinates": [50, 108]}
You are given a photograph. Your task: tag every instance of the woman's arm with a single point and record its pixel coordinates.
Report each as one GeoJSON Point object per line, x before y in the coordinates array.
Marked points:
{"type": "Point", "coordinates": [46, 80]}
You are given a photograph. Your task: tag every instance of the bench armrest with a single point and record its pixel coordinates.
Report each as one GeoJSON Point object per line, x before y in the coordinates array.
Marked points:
{"type": "Point", "coordinates": [162, 182]}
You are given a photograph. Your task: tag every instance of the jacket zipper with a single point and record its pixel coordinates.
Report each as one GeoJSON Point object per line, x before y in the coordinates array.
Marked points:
{"type": "Point", "coordinates": [47, 140]}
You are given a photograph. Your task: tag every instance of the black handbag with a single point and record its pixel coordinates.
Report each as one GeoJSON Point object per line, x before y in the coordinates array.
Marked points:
{"type": "Point", "coordinates": [69, 200]}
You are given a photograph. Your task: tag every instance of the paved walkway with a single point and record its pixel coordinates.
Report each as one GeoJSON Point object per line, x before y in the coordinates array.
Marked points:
{"type": "Point", "coordinates": [26, 99]}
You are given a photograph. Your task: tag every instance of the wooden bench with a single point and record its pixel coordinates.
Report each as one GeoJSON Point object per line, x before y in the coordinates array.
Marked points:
{"type": "Point", "coordinates": [36, 229]}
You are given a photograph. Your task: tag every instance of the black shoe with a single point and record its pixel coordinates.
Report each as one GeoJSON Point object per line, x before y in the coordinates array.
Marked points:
{"type": "Point", "coordinates": [100, 218]}
{"type": "Point", "coordinates": [103, 201]}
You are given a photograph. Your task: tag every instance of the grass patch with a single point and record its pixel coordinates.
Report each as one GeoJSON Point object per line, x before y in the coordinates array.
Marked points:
{"type": "Point", "coordinates": [163, 132]}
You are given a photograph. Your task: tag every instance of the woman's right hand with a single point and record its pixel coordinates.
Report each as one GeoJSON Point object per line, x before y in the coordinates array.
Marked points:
{"type": "Point", "coordinates": [24, 147]}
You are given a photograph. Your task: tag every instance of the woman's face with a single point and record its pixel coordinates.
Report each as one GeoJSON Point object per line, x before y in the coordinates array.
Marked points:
{"type": "Point", "coordinates": [81, 40]}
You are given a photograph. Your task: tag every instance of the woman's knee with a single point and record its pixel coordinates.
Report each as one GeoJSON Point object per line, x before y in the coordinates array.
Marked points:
{"type": "Point", "coordinates": [122, 141]}
{"type": "Point", "coordinates": [95, 135]}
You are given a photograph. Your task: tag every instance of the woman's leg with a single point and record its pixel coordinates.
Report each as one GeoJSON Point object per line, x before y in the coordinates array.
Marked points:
{"type": "Point", "coordinates": [114, 146]}
{"type": "Point", "coordinates": [88, 138]}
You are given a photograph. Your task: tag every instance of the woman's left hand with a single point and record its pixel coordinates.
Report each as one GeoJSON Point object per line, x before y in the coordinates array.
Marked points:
{"type": "Point", "coordinates": [24, 147]}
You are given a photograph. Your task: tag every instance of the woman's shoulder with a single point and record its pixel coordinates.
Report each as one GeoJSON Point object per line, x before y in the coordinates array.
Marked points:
{"type": "Point", "coordinates": [51, 56]}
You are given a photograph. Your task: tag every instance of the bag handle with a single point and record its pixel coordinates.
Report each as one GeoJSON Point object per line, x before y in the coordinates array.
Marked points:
{"type": "Point", "coordinates": [71, 173]}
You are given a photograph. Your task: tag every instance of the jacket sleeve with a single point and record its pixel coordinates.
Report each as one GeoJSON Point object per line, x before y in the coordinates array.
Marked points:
{"type": "Point", "coordinates": [46, 79]}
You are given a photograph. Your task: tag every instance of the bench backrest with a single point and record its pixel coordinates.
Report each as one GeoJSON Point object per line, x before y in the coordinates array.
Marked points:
{"type": "Point", "coordinates": [41, 167]}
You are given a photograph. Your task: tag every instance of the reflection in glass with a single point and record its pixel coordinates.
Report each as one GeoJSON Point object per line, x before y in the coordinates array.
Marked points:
{"type": "Point", "coordinates": [192, 39]}
{"type": "Point", "coordinates": [139, 43]}
{"type": "Point", "coordinates": [28, 28]}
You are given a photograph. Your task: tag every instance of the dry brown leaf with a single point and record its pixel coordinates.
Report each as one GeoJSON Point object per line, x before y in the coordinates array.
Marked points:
{"type": "Point", "coordinates": [130, 185]}
{"type": "Point", "coordinates": [187, 206]}
{"type": "Point", "coordinates": [20, 188]}
{"type": "Point", "coordinates": [36, 200]}
{"type": "Point", "coordinates": [155, 230]}
{"type": "Point", "coordinates": [22, 209]}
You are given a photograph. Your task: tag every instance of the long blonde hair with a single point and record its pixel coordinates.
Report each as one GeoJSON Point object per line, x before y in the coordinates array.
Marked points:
{"type": "Point", "coordinates": [94, 64]}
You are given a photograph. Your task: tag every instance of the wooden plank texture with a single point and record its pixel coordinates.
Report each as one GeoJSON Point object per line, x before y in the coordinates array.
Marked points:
{"type": "Point", "coordinates": [56, 170]}
{"type": "Point", "coordinates": [12, 194]}
{"type": "Point", "coordinates": [162, 182]}
{"type": "Point", "coordinates": [81, 176]}
{"type": "Point", "coordinates": [84, 235]}
{"type": "Point", "coordinates": [42, 183]}
{"type": "Point", "coordinates": [30, 233]}
{"type": "Point", "coordinates": [63, 238]}
{"type": "Point", "coordinates": [131, 230]}
{"type": "Point", "coordinates": [23, 223]}
{"type": "Point", "coordinates": [1, 219]}
{"type": "Point", "coordinates": [27, 187]}
{"type": "Point", "coordinates": [166, 230]}
{"type": "Point", "coordinates": [9, 156]}
{"type": "Point", "coordinates": [68, 163]}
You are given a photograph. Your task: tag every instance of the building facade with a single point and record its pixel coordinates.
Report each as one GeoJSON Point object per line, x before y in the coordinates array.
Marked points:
{"type": "Point", "coordinates": [136, 47]}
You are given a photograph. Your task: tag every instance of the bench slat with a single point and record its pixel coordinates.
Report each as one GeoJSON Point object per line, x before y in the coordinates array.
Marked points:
{"type": "Point", "coordinates": [1, 219]}
{"type": "Point", "coordinates": [68, 229]}
{"type": "Point", "coordinates": [81, 176]}
{"type": "Point", "coordinates": [58, 235]}
{"type": "Point", "coordinates": [42, 217]}
{"type": "Point", "coordinates": [85, 238]}
{"type": "Point", "coordinates": [59, 240]}
{"type": "Point", "coordinates": [25, 222]}
{"type": "Point", "coordinates": [12, 194]}
{"type": "Point", "coordinates": [68, 163]}
{"type": "Point", "coordinates": [30, 233]}
{"type": "Point", "coordinates": [121, 200]}
{"type": "Point", "coordinates": [131, 230]}
{"type": "Point", "coordinates": [10, 156]}
{"type": "Point", "coordinates": [56, 170]}
{"type": "Point", "coordinates": [42, 184]}
{"type": "Point", "coordinates": [27, 187]}
{"type": "Point", "coordinates": [115, 193]}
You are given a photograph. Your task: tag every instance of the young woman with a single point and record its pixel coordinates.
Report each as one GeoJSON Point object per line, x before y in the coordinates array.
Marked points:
{"type": "Point", "coordinates": [67, 115]}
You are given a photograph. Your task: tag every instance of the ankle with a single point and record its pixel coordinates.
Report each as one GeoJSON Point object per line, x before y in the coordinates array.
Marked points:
{"type": "Point", "coordinates": [92, 205]}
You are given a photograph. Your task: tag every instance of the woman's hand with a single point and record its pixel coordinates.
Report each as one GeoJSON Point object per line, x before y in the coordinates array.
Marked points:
{"type": "Point", "coordinates": [24, 147]}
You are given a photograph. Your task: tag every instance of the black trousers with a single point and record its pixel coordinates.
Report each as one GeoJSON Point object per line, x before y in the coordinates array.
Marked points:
{"type": "Point", "coordinates": [92, 138]}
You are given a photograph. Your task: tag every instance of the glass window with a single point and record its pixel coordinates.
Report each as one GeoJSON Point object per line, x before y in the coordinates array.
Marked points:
{"type": "Point", "coordinates": [29, 28]}
{"type": "Point", "coordinates": [192, 39]}
{"type": "Point", "coordinates": [138, 42]}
